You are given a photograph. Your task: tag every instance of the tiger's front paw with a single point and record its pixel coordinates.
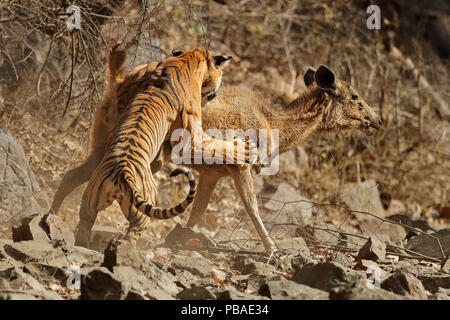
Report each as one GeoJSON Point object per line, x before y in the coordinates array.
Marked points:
{"type": "Point", "coordinates": [245, 152]}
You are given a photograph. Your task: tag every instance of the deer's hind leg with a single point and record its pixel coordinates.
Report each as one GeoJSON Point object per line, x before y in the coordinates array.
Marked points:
{"type": "Point", "coordinates": [73, 179]}
{"type": "Point", "coordinates": [243, 181]}
{"type": "Point", "coordinates": [206, 185]}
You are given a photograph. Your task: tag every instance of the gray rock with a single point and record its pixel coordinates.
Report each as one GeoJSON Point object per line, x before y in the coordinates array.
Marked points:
{"type": "Point", "coordinates": [295, 244]}
{"type": "Point", "coordinates": [20, 192]}
{"type": "Point", "coordinates": [255, 281]}
{"type": "Point", "coordinates": [405, 284]}
{"type": "Point", "coordinates": [101, 284]}
{"type": "Point", "coordinates": [28, 295]}
{"type": "Point", "coordinates": [358, 292]}
{"type": "Point", "coordinates": [289, 262]}
{"type": "Point", "coordinates": [382, 230]}
{"type": "Point", "coordinates": [46, 260]}
{"type": "Point", "coordinates": [151, 284]}
{"type": "Point", "coordinates": [122, 253]}
{"type": "Point", "coordinates": [296, 212]}
{"type": "Point", "coordinates": [373, 249]}
{"type": "Point", "coordinates": [85, 256]}
{"type": "Point", "coordinates": [48, 274]}
{"type": "Point", "coordinates": [282, 289]}
{"type": "Point", "coordinates": [428, 246]}
{"type": "Point", "coordinates": [366, 264]}
{"type": "Point", "coordinates": [341, 258]}
{"type": "Point", "coordinates": [406, 220]}
{"type": "Point", "coordinates": [196, 293]}
{"type": "Point", "coordinates": [197, 266]}
{"type": "Point", "coordinates": [441, 294]}
{"type": "Point", "coordinates": [125, 283]}
{"type": "Point", "coordinates": [218, 274]}
{"type": "Point", "coordinates": [446, 267]}
{"type": "Point", "coordinates": [364, 197]}
{"type": "Point", "coordinates": [246, 265]}
{"type": "Point", "coordinates": [102, 235]}
{"type": "Point", "coordinates": [300, 260]}
{"type": "Point", "coordinates": [21, 283]}
{"type": "Point", "coordinates": [133, 295]}
{"type": "Point", "coordinates": [231, 293]}
{"type": "Point", "coordinates": [179, 235]}
{"type": "Point", "coordinates": [257, 267]}
{"type": "Point", "coordinates": [43, 227]}
{"type": "Point", "coordinates": [328, 275]}
{"type": "Point", "coordinates": [31, 251]}
{"type": "Point", "coordinates": [4, 284]}
{"type": "Point", "coordinates": [17, 279]}
{"type": "Point", "coordinates": [434, 282]}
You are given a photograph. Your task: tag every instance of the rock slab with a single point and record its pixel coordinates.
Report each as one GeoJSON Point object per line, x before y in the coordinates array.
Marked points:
{"type": "Point", "coordinates": [43, 227]}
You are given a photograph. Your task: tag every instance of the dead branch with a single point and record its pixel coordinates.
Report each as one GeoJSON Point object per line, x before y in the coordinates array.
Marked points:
{"type": "Point", "coordinates": [348, 210]}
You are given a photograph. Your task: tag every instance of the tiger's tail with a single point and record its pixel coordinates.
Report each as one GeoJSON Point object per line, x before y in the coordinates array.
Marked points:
{"type": "Point", "coordinates": [117, 57]}
{"type": "Point", "coordinates": [159, 213]}
{"type": "Point", "coordinates": [107, 108]}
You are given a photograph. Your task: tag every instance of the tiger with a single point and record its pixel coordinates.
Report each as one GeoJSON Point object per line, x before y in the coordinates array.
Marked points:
{"type": "Point", "coordinates": [120, 91]}
{"type": "Point", "coordinates": [167, 99]}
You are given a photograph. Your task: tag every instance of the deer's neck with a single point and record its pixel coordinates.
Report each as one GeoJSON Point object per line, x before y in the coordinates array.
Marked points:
{"type": "Point", "coordinates": [299, 120]}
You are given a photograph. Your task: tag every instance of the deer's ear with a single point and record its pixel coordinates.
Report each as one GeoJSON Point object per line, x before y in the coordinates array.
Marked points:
{"type": "Point", "coordinates": [176, 53]}
{"type": "Point", "coordinates": [325, 78]}
{"type": "Point", "coordinates": [309, 76]}
{"type": "Point", "coordinates": [222, 61]}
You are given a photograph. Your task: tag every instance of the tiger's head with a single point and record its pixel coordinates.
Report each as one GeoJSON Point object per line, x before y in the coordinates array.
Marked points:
{"type": "Point", "coordinates": [213, 76]}
{"type": "Point", "coordinates": [345, 108]}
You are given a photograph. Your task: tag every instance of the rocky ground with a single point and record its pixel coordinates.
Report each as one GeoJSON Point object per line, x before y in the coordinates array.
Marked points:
{"type": "Point", "coordinates": [190, 265]}
{"type": "Point", "coordinates": [319, 257]}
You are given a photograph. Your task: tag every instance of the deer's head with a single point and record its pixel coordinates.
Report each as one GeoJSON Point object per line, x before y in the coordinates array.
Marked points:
{"type": "Point", "coordinates": [344, 108]}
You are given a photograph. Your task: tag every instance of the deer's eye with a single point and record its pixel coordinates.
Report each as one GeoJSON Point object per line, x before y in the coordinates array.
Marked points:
{"type": "Point", "coordinates": [354, 97]}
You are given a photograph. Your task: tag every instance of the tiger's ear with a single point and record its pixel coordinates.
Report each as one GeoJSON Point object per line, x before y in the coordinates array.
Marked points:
{"type": "Point", "coordinates": [325, 78]}
{"type": "Point", "coordinates": [176, 53]}
{"type": "Point", "coordinates": [309, 76]}
{"type": "Point", "coordinates": [222, 61]}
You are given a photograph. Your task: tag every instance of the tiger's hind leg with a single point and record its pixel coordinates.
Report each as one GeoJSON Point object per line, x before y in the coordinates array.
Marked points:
{"type": "Point", "coordinates": [72, 179]}
{"type": "Point", "coordinates": [138, 222]}
{"type": "Point", "coordinates": [94, 200]}
{"type": "Point", "coordinates": [87, 219]}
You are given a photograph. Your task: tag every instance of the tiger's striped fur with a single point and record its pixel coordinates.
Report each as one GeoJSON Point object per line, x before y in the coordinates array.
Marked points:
{"type": "Point", "coordinates": [107, 113]}
{"type": "Point", "coordinates": [171, 98]}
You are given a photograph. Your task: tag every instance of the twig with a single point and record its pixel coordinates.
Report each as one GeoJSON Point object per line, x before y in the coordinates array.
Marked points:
{"type": "Point", "coordinates": [71, 75]}
{"type": "Point", "coordinates": [397, 131]}
{"type": "Point", "coordinates": [38, 84]}
{"type": "Point", "coordinates": [444, 256]}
